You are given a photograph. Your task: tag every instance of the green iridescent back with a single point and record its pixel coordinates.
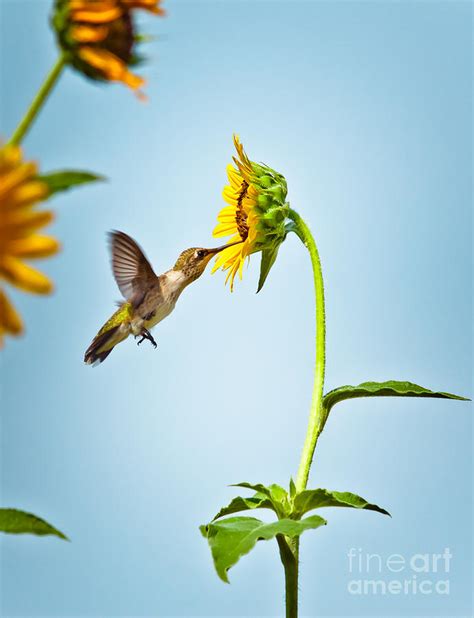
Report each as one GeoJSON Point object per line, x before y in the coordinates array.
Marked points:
{"type": "Point", "coordinates": [123, 313]}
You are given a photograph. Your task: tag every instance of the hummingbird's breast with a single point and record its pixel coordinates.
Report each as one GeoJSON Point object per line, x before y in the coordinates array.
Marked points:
{"type": "Point", "coordinates": [160, 313]}
{"type": "Point", "coordinates": [158, 303]}
{"type": "Point", "coordinates": [152, 318]}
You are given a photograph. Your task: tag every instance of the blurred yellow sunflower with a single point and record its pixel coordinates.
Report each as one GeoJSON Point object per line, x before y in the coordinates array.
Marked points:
{"type": "Point", "coordinates": [99, 37]}
{"type": "Point", "coordinates": [255, 215]}
{"type": "Point", "coordinates": [20, 192]}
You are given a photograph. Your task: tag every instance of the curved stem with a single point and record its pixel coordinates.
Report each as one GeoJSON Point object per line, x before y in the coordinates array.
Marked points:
{"type": "Point", "coordinates": [38, 101]}
{"type": "Point", "coordinates": [289, 553]}
{"type": "Point", "coordinates": [315, 423]}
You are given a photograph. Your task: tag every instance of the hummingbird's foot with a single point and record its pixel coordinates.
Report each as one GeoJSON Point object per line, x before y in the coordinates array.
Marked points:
{"type": "Point", "coordinates": [145, 334]}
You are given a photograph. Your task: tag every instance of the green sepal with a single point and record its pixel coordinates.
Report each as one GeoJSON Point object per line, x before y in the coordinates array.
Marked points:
{"type": "Point", "coordinates": [268, 259]}
{"type": "Point", "coordinates": [67, 179]}
{"type": "Point", "coordinates": [232, 538]}
{"type": "Point", "coordinates": [275, 493]}
{"type": "Point", "coordinates": [270, 183]}
{"type": "Point", "coordinates": [310, 499]}
{"type": "Point", "coordinates": [391, 388]}
{"type": "Point", "coordinates": [60, 16]}
{"type": "Point", "coordinates": [145, 38]}
{"type": "Point", "coordinates": [137, 60]}
{"type": "Point", "coordinates": [13, 521]}
{"type": "Point", "coordinates": [272, 210]}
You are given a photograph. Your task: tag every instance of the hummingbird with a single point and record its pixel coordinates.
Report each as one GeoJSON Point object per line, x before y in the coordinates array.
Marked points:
{"type": "Point", "coordinates": [149, 298]}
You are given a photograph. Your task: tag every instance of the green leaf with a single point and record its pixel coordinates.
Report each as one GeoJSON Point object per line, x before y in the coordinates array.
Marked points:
{"type": "Point", "coordinates": [277, 495]}
{"type": "Point", "coordinates": [258, 487]}
{"type": "Point", "coordinates": [292, 488]}
{"type": "Point", "coordinates": [391, 388]}
{"type": "Point", "coordinates": [66, 179]}
{"type": "Point", "coordinates": [268, 259]}
{"type": "Point", "coordinates": [259, 501]}
{"type": "Point", "coordinates": [232, 538]}
{"type": "Point", "coordinates": [13, 521]}
{"type": "Point", "coordinates": [310, 499]}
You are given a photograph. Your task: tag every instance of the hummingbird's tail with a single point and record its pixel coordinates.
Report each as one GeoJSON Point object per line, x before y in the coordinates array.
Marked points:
{"type": "Point", "coordinates": [113, 332]}
{"type": "Point", "coordinates": [98, 350]}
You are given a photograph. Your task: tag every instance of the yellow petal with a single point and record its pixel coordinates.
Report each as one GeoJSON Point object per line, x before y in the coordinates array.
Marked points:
{"type": "Point", "coordinates": [21, 223]}
{"type": "Point", "coordinates": [15, 177]}
{"type": "Point", "coordinates": [97, 17]}
{"type": "Point", "coordinates": [23, 276]}
{"type": "Point", "coordinates": [227, 256]}
{"type": "Point", "coordinates": [237, 144]}
{"type": "Point", "coordinates": [234, 177]}
{"type": "Point", "coordinates": [230, 195]}
{"type": "Point", "coordinates": [95, 5]}
{"type": "Point", "coordinates": [147, 5]}
{"type": "Point", "coordinates": [245, 169]}
{"type": "Point", "coordinates": [33, 247]}
{"type": "Point", "coordinates": [231, 275]}
{"type": "Point", "coordinates": [10, 321]}
{"type": "Point", "coordinates": [227, 213]}
{"type": "Point", "coordinates": [241, 268]}
{"type": "Point", "coordinates": [225, 229]}
{"type": "Point", "coordinates": [27, 194]}
{"type": "Point", "coordinates": [111, 66]}
{"type": "Point", "coordinates": [102, 60]}
{"type": "Point", "coordinates": [10, 157]}
{"type": "Point", "coordinates": [244, 164]}
{"type": "Point", "coordinates": [89, 34]}
{"type": "Point", "coordinates": [234, 239]}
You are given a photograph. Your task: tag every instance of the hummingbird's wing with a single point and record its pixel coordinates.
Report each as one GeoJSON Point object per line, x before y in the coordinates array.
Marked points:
{"type": "Point", "coordinates": [132, 271]}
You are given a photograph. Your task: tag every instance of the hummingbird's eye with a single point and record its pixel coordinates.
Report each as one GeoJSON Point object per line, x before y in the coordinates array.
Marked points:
{"type": "Point", "coordinates": [200, 253]}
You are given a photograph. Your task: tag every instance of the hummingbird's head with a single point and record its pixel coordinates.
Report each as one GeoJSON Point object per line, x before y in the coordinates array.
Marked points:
{"type": "Point", "coordinates": [192, 262]}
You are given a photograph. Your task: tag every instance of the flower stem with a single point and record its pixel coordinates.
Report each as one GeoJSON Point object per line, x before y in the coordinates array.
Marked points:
{"type": "Point", "coordinates": [290, 564]}
{"type": "Point", "coordinates": [289, 552]}
{"type": "Point", "coordinates": [315, 424]}
{"type": "Point", "coordinates": [38, 101]}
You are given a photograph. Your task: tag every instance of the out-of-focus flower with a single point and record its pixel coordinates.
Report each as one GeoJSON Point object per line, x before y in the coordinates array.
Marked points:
{"type": "Point", "coordinates": [99, 37]}
{"type": "Point", "coordinates": [20, 192]}
{"type": "Point", "coordinates": [255, 215]}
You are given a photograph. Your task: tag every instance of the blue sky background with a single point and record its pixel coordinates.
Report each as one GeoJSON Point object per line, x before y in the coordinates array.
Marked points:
{"type": "Point", "coordinates": [366, 109]}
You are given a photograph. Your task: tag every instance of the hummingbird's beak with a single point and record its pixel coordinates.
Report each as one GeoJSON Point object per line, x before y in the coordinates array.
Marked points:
{"type": "Point", "coordinates": [219, 249]}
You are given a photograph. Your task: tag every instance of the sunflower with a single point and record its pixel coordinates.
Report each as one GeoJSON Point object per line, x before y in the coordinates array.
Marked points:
{"type": "Point", "coordinates": [99, 37]}
{"type": "Point", "coordinates": [20, 191]}
{"type": "Point", "coordinates": [254, 217]}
